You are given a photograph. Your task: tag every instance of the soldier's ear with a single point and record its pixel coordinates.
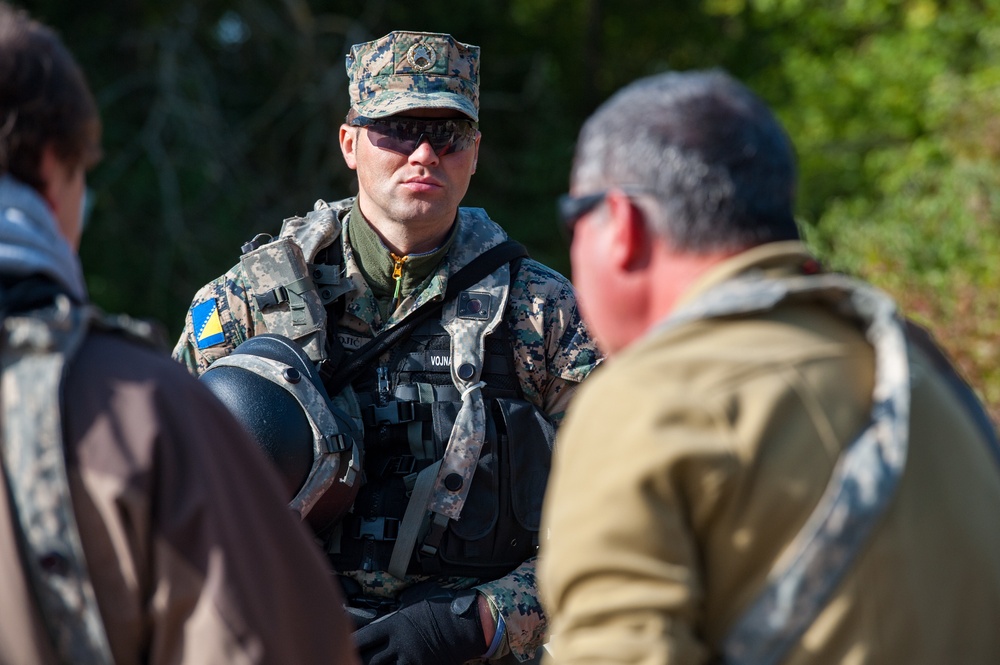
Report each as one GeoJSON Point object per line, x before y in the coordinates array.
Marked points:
{"type": "Point", "coordinates": [631, 239]}
{"type": "Point", "coordinates": [348, 145]}
{"type": "Point", "coordinates": [475, 156]}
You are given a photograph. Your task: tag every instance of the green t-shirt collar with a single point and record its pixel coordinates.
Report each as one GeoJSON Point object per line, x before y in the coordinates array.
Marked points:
{"type": "Point", "coordinates": [377, 263]}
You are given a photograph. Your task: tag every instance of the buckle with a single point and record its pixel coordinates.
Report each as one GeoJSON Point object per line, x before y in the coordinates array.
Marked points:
{"type": "Point", "coordinates": [433, 539]}
{"type": "Point", "coordinates": [393, 413]}
{"type": "Point", "coordinates": [375, 528]}
{"type": "Point", "coordinates": [272, 298]}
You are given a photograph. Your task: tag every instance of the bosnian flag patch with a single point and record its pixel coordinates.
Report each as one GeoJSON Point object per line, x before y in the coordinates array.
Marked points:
{"type": "Point", "coordinates": [207, 325]}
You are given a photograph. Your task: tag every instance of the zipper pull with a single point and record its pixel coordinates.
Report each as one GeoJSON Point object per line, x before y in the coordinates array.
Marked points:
{"type": "Point", "coordinates": [397, 274]}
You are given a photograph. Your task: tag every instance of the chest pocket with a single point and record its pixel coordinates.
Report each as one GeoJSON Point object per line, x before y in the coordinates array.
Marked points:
{"type": "Point", "coordinates": [500, 522]}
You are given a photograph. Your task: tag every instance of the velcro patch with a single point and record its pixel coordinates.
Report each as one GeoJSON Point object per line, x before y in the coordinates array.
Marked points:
{"type": "Point", "coordinates": [474, 305]}
{"type": "Point", "coordinates": [207, 324]}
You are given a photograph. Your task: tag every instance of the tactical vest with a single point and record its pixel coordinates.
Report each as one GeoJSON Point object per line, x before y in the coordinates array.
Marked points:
{"type": "Point", "coordinates": [409, 405]}
{"type": "Point", "coordinates": [35, 348]}
{"type": "Point", "coordinates": [456, 461]}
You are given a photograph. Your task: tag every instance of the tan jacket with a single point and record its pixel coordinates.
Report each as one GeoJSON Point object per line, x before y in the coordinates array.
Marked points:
{"type": "Point", "coordinates": [689, 462]}
{"type": "Point", "coordinates": [191, 550]}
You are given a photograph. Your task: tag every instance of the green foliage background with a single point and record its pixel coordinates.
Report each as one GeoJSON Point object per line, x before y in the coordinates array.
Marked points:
{"type": "Point", "coordinates": [221, 119]}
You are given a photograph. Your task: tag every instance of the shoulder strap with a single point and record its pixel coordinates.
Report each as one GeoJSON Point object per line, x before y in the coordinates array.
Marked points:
{"type": "Point", "coordinates": [471, 273]}
{"type": "Point", "coordinates": [34, 350]}
{"type": "Point", "coordinates": [864, 479]}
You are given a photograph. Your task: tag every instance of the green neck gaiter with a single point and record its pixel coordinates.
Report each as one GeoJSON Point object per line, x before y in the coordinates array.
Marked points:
{"type": "Point", "coordinates": [390, 277]}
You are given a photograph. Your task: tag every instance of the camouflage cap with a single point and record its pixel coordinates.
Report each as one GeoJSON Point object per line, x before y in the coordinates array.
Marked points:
{"type": "Point", "coordinates": [409, 70]}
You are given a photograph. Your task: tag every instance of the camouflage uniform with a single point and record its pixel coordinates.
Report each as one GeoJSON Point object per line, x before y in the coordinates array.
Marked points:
{"type": "Point", "coordinates": [552, 354]}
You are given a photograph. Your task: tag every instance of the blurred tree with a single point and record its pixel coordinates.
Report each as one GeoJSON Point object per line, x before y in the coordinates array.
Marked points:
{"type": "Point", "coordinates": [221, 119]}
{"type": "Point", "coordinates": [893, 106]}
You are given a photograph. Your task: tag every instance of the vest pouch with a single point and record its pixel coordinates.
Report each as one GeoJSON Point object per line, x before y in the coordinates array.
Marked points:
{"type": "Point", "coordinates": [481, 511]}
{"type": "Point", "coordinates": [281, 285]}
{"type": "Point", "coordinates": [531, 460]}
{"type": "Point", "coordinates": [498, 528]}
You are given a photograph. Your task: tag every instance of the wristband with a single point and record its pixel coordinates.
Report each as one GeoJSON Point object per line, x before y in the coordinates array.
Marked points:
{"type": "Point", "coordinates": [497, 637]}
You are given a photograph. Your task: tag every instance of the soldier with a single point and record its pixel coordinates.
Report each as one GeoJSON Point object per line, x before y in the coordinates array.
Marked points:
{"type": "Point", "coordinates": [456, 354]}
{"type": "Point", "coordinates": [130, 500]}
{"type": "Point", "coordinates": [798, 475]}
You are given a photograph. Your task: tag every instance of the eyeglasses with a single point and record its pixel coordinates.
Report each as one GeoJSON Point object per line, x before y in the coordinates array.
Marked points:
{"type": "Point", "coordinates": [573, 208]}
{"type": "Point", "coordinates": [403, 135]}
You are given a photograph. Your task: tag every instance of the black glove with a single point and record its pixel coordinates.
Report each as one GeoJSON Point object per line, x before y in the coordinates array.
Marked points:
{"type": "Point", "coordinates": [444, 629]}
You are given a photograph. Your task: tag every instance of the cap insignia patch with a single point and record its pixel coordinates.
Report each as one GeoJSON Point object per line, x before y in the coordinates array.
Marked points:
{"type": "Point", "coordinates": [421, 57]}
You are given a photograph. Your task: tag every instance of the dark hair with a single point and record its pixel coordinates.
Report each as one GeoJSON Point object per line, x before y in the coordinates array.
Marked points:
{"type": "Point", "coordinates": [720, 166]}
{"type": "Point", "coordinates": [44, 100]}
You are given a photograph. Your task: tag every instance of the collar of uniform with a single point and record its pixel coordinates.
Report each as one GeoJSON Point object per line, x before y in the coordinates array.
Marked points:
{"type": "Point", "coordinates": [473, 234]}
{"type": "Point", "coordinates": [775, 258]}
{"type": "Point", "coordinates": [376, 263]}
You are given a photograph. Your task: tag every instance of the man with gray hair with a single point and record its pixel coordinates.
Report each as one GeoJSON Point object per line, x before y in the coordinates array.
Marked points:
{"type": "Point", "coordinates": [797, 474]}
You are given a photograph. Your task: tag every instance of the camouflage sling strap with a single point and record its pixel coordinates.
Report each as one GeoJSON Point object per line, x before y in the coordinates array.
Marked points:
{"type": "Point", "coordinates": [34, 351]}
{"type": "Point", "coordinates": [468, 329]}
{"type": "Point", "coordinates": [443, 487]}
{"type": "Point", "coordinates": [864, 479]}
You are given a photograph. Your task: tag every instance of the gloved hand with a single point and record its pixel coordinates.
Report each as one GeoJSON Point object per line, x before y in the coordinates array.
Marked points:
{"type": "Point", "coordinates": [443, 629]}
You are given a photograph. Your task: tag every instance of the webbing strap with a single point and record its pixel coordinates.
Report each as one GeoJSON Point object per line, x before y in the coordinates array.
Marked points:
{"type": "Point", "coordinates": [413, 519]}
{"type": "Point", "coordinates": [36, 348]}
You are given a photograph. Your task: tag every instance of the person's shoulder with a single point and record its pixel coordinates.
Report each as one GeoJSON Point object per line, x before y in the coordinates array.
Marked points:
{"type": "Point", "coordinates": [475, 233]}
{"type": "Point", "coordinates": [114, 352]}
{"type": "Point", "coordinates": [535, 274]}
{"type": "Point", "coordinates": [714, 359]}
{"type": "Point", "coordinates": [139, 384]}
{"type": "Point", "coordinates": [690, 357]}
{"type": "Point", "coordinates": [468, 215]}
{"type": "Point", "coordinates": [539, 290]}
{"type": "Point", "coordinates": [534, 280]}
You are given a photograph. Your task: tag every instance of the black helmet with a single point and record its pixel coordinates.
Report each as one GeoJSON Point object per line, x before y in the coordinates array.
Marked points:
{"type": "Point", "coordinates": [273, 389]}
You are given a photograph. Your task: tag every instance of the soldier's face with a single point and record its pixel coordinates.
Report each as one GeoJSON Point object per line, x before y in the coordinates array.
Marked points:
{"type": "Point", "coordinates": [421, 189]}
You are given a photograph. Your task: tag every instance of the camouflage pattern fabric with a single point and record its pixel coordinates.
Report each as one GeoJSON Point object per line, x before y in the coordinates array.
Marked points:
{"type": "Point", "coordinates": [552, 349]}
{"type": "Point", "coordinates": [515, 595]}
{"type": "Point", "coordinates": [407, 70]}
{"type": "Point", "coordinates": [552, 354]}
{"type": "Point", "coordinates": [864, 479]}
{"type": "Point", "coordinates": [278, 271]}
{"type": "Point", "coordinates": [468, 337]}
{"type": "Point", "coordinates": [35, 350]}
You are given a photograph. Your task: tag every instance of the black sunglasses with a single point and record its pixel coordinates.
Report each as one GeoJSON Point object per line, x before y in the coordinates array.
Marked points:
{"type": "Point", "coordinates": [401, 134]}
{"type": "Point", "coordinates": [573, 208]}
